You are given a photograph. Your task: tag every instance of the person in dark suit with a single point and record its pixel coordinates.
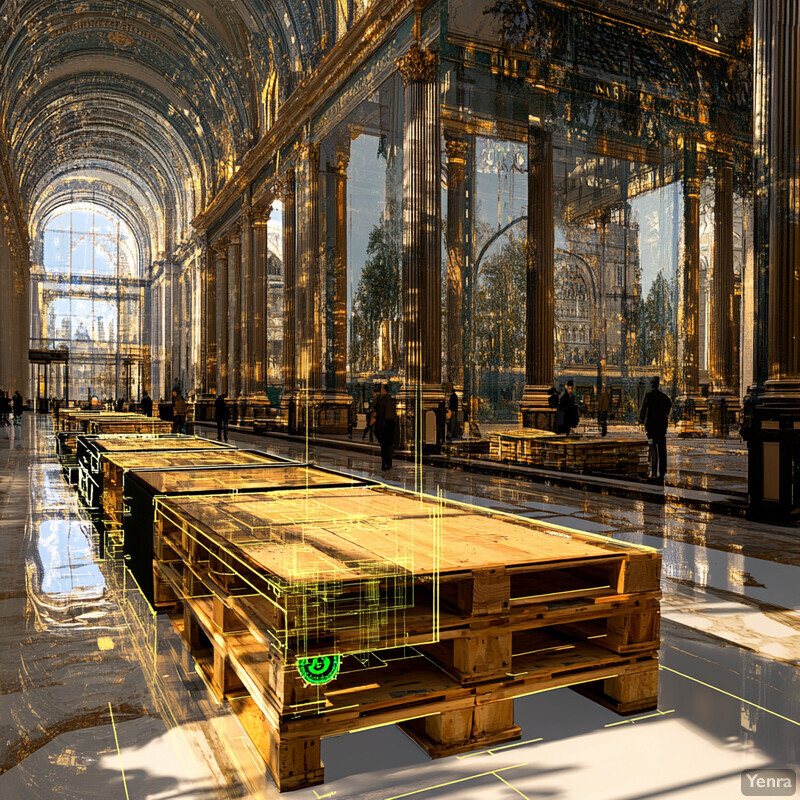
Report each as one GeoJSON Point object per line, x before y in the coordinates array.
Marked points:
{"type": "Point", "coordinates": [147, 404]}
{"type": "Point", "coordinates": [222, 414]}
{"type": "Point", "coordinates": [385, 423]}
{"type": "Point", "coordinates": [567, 414]}
{"type": "Point", "coordinates": [654, 415]}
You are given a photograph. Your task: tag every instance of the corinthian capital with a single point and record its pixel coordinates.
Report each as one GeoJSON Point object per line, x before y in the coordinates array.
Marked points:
{"type": "Point", "coordinates": [418, 65]}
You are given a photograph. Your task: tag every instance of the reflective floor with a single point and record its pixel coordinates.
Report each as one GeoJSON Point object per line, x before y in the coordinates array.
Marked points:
{"type": "Point", "coordinates": [100, 700]}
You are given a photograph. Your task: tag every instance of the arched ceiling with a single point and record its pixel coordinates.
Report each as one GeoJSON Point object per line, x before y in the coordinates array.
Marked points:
{"type": "Point", "coordinates": [146, 105]}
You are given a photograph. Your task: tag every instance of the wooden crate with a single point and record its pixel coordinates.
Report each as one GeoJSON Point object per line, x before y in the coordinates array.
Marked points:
{"type": "Point", "coordinates": [441, 614]}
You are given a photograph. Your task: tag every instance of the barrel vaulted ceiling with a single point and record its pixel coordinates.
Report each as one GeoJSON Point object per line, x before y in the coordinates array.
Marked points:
{"type": "Point", "coordinates": [147, 106]}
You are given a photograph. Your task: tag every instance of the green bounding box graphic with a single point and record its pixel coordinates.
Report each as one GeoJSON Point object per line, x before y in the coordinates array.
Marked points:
{"type": "Point", "coordinates": [319, 669]}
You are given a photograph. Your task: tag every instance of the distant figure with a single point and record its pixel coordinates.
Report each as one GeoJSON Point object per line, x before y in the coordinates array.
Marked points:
{"type": "Point", "coordinates": [603, 408]}
{"type": "Point", "coordinates": [385, 423]}
{"type": "Point", "coordinates": [119, 404]}
{"type": "Point", "coordinates": [147, 404]}
{"type": "Point", "coordinates": [369, 428]}
{"type": "Point", "coordinates": [5, 408]}
{"type": "Point", "coordinates": [179, 409]}
{"type": "Point", "coordinates": [567, 416]}
{"type": "Point", "coordinates": [655, 418]}
{"type": "Point", "coordinates": [552, 397]}
{"type": "Point", "coordinates": [452, 415]}
{"type": "Point", "coordinates": [222, 414]}
{"type": "Point", "coordinates": [17, 404]}
{"type": "Point", "coordinates": [352, 418]}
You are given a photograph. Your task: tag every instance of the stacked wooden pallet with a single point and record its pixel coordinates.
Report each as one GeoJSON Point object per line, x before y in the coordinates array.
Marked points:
{"type": "Point", "coordinates": [601, 455]}
{"type": "Point", "coordinates": [323, 611]}
{"type": "Point", "coordinates": [91, 451]}
{"type": "Point", "coordinates": [144, 487]}
{"type": "Point", "coordinates": [617, 456]}
{"type": "Point", "coordinates": [521, 445]}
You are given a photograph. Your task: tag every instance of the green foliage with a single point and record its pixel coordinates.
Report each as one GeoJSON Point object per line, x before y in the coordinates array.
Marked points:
{"type": "Point", "coordinates": [377, 302]}
{"type": "Point", "coordinates": [658, 339]}
{"type": "Point", "coordinates": [500, 307]}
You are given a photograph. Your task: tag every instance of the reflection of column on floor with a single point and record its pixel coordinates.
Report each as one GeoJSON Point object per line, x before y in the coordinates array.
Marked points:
{"type": "Point", "coordinates": [539, 307]}
{"type": "Point", "coordinates": [234, 312]}
{"type": "Point", "coordinates": [422, 267]}
{"type": "Point", "coordinates": [772, 429]}
{"type": "Point", "coordinates": [286, 190]}
{"type": "Point", "coordinates": [220, 248]}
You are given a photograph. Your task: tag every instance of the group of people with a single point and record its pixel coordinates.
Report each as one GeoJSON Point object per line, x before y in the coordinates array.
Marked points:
{"type": "Point", "coordinates": [653, 415]}
{"type": "Point", "coordinates": [11, 405]}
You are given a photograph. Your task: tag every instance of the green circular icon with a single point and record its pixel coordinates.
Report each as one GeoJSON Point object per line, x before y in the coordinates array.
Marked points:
{"type": "Point", "coordinates": [319, 669]}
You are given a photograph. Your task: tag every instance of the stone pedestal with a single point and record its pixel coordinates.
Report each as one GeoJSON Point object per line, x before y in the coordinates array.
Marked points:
{"type": "Point", "coordinates": [204, 409]}
{"type": "Point", "coordinates": [429, 428]}
{"type": "Point", "coordinates": [771, 429]}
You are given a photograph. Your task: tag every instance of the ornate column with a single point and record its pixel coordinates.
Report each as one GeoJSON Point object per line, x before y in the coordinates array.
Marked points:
{"type": "Point", "coordinates": [772, 423]}
{"type": "Point", "coordinates": [220, 250]}
{"type": "Point", "coordinates": [457, 149]}
{"type": "Point", "coordinates": [234, 311]}
{"type": "Point", "coordinates": [540, 299]}
{"type": "Point", "coordinates": [258, 309]}
{"type": "Point", "coordinates": [724, 326]}
{"type": "Point", "coordinates": [333, 406]}
{"type": "Point", "coordinates": [245, 318]}
{"type": "Point", "coordinates": [689, 312]}
{"type": "Point", "coordinates": [286, 188]}
{"type": "Point", "coordinates": [421, 248]}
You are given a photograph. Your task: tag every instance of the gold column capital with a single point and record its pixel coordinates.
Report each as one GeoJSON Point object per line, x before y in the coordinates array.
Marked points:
{"type": "Point", "coordinates": [418, 65]}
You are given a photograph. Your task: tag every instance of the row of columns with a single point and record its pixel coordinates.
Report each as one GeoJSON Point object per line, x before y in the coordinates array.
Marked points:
{"type": "Point", "coordinates": [233, 342]}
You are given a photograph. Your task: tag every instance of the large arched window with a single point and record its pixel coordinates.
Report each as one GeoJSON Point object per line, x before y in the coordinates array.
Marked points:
{"type": "Point", "coordinates": [88, 298]}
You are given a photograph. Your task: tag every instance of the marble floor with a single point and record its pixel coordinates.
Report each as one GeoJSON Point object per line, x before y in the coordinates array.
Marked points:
{"type": "Point", "coordinates": [98, 698]}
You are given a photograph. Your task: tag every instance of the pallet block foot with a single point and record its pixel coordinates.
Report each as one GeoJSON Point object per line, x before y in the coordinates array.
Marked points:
{"type": "Point", "coordinates": [626, 694]}
{"type": "Point", "coordinates": [292, 763]}
{"type": "Point", "coordinates": [464, 730]}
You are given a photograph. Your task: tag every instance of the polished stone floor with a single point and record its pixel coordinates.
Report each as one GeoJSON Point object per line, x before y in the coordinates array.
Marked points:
{"type": "Point", "coordinates": [99, 699]}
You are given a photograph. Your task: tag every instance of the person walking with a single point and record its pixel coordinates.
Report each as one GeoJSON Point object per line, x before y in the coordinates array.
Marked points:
{"type": "Point", "coordinates": [147, 404]}
{"type": "Point", "coordinates": [603, 409]}
{"type": "Point", "coordinates": [5, 408]}
{"type": "Point", "coordinates": [222, 414]}
{"type": "Point", "coordinates": [17, 404]}
{"type": "Point", "coordinates": [369, 428]}
{"type": "Point", "coordinates": [385, 423]}
{"type": "Point", "coordinates": [654, 415]}
{"type": "Point", "coordinates": [179, 409]}
{"type": "Point", "coordinates": [452, 415]}
{"type": "Point", "coordinates": [567, 416]}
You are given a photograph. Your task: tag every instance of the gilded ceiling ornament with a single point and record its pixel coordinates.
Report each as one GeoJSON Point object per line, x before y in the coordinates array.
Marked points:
{"type": "Point", "coordinates": [418, 65]}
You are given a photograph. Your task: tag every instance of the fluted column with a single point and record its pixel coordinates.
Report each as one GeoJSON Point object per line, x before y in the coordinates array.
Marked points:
{"type": "Point", "coordinates": [246, 301]}
{"type": "Point", "coordinates": [234, 314]}
{"type": "Point", "coordinates": [288, 195]}
{"type": "Point", "coordinates": [340, 269]}
{"type": "Point", "coordinates": [772, 424]}
{"type": "Point", "coordinates": [540, 299]}
{"type": "Point", "coordinates": [309, 299]}
{"type": "Point", "coordinates": [784, 183]}
{"type": "Point", "coordinates": [421, 221]}
{"type": "Point", "coordinates": [259, 300]}
{"type": "Point", "coordinates": [724, 324]}
{"type": "Point", "coordinates": [689, 319]}
{"type": "Point", "coordinates": [220, 250]}
{"type": "Point", "coordinates": [457, 150]}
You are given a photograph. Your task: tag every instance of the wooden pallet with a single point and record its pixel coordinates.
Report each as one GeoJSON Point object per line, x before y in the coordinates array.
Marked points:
{"type": "Point", "coordinates": [442, 614]}
{"type": "Point", "coordinates": [596, 455]}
